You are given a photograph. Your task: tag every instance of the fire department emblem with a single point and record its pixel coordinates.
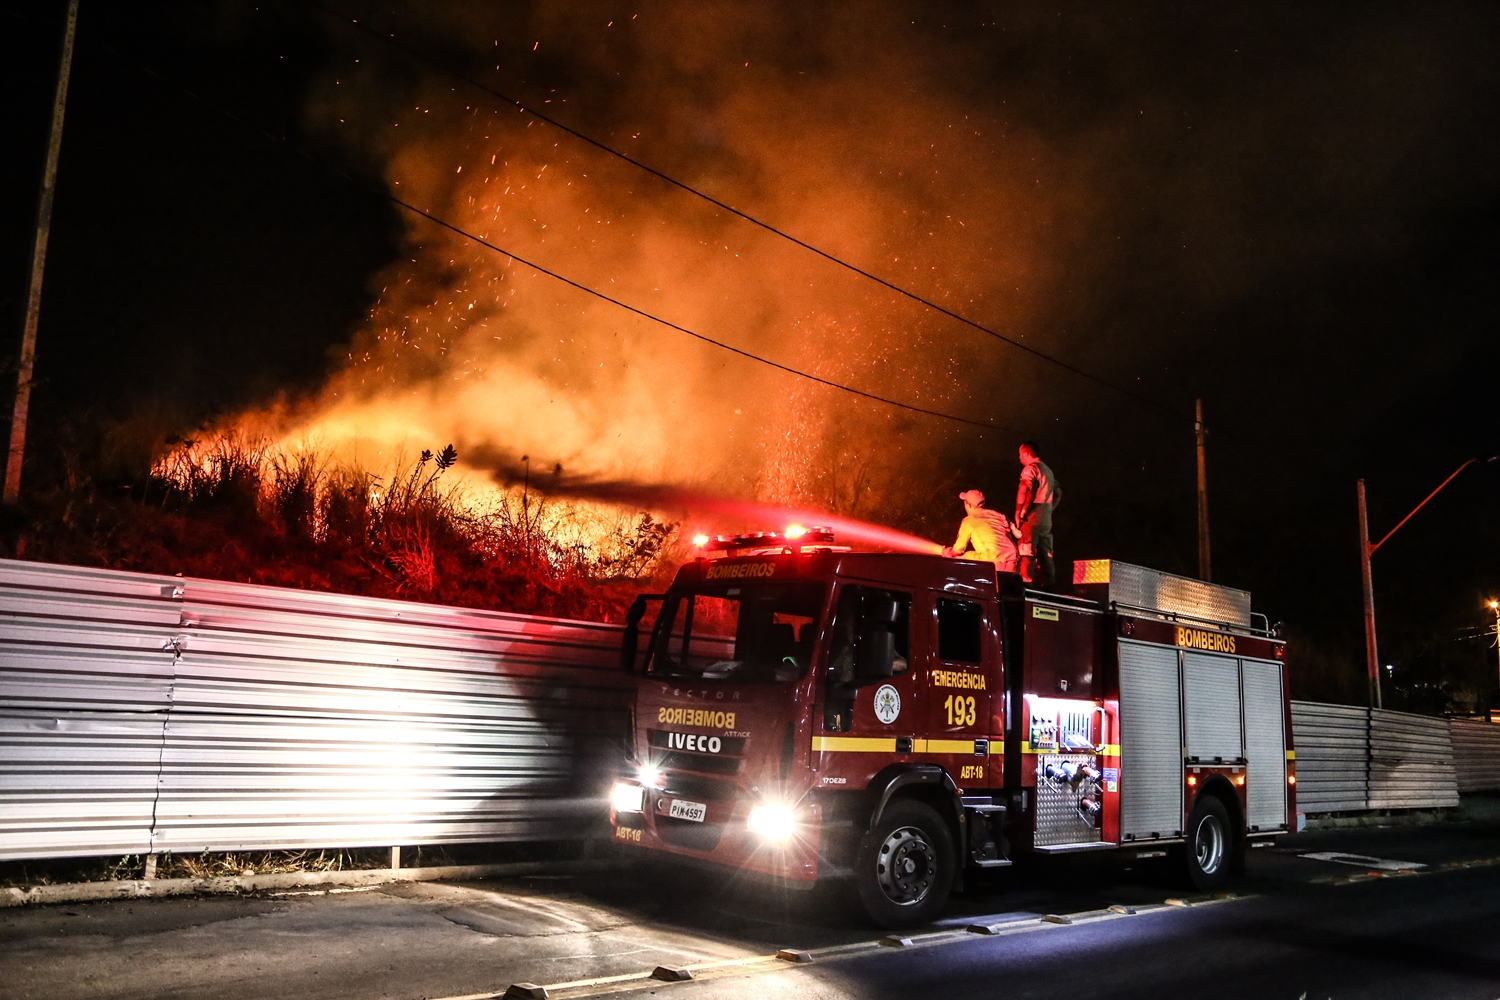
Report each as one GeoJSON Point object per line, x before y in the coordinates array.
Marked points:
{"type": "Point", "coordinates": [887, 704]}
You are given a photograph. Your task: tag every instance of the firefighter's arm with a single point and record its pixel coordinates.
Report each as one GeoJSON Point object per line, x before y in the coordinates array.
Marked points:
{"type": "Point", "coordinates": [961, 544]}
{"type": "Point", "coordinates": [1023, 499]}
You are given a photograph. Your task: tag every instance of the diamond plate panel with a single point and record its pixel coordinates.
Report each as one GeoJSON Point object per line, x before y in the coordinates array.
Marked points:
{"type": "Point", "coordinates": [1150, 588]}
{"type": "Point", "coordinates": [1057, 819]}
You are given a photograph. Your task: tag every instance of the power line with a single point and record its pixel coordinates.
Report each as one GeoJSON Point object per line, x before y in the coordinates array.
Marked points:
{"type": "Point", "coordinates": [691, 333]}
{"type": "Point", "coordinates": [387, 195]}
{"type": "Point", "coordinates": [389, 38]}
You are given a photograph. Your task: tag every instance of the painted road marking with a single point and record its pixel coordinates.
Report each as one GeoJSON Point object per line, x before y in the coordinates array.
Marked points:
{"type": "Point", "coordinates": [1372, 874]}
{"type": "Point", "coordinates": [1013, 924]}
{"type": "Point", "coordinates": [1006, 925]}
{"type": "Point", "coordinates": [327, 892]}
{"type": "Point", "coordinates": [1363, 861]}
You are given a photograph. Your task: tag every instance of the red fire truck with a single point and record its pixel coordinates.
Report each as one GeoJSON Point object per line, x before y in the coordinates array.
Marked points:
{"type": "Point", "coordinates": [807, 712]}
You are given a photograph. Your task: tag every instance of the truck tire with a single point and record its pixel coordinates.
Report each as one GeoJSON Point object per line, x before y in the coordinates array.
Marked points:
{"type": "Point", "coordinates": [1209, 851]}
{"type": "Point", "coordinates": [905, 867]}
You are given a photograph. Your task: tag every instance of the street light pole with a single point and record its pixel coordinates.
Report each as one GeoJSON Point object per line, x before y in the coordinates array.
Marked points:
{"type": "Point", "coordinates": [1495, 607]}
{"type": "Point", "coordinates": [1366, 550]}
{"type": "Point", "coordinates": [1372, 660]}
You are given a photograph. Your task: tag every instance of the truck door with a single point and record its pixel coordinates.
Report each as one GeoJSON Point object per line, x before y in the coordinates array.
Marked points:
{"type": "Point", "coordinates": [866, 719]}
{"type": "Point", "coordinates": [961, 669]}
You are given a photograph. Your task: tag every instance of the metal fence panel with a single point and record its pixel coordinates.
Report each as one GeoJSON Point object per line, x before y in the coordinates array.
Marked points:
{"type": "Point", "coordinates": [1411, 762]}
{"type": "Point", "coordinates": [84, 691]}
{"type": "Point", "coordinates": [1333, 747]}
{"type": "Point", "coordinates": [1350, 759]}
{"type": "Point", "coordinates": [1476, 755]}
{"type": "Point", "coordinates": [154, 713]}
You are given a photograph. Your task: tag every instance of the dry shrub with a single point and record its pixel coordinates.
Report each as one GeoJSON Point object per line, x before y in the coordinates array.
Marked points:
{"type": "Point", "coordinates": [233, 507]}
{"type": "Point", "coordinates": [295, 494]}
{"type": "Point", "coordinates": [231, 863]}
{"type": "Point", "coordinates": [409, 549]}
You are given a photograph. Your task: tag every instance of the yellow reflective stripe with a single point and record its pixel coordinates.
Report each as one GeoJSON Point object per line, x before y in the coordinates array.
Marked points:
{"type": "Point", "coordinates": [863, 744]}
{"type": "Point", "coordinates": [1112, 750]}
{"type": "Point", "coordinates": [949, 746]}
{"type": "Point", "coordinates": [1291, 755]}
{"type": "Point", "coordinates": [854, 744]}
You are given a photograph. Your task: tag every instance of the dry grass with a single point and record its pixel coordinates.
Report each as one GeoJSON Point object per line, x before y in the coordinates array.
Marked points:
{"type": "Point", "coordinates": [230, 507]}
{"type": "Point", "coordinates": [225, 864]}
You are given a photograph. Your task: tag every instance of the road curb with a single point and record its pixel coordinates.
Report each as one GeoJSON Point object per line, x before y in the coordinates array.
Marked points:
{"type": "Point", "coordinates": [91, 892]}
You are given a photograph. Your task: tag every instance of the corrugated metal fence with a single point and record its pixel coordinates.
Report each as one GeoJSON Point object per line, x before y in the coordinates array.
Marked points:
{"type": "Point", "coordinates": [1476, 751]}
{"type": "Point", "coordinates": [146, 713]}
{"type": "Point", "coordinates": [1351, 759]}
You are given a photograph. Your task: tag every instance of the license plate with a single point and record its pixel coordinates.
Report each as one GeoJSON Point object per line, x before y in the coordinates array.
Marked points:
{"type": "Point", "coordinates": [681, 809]}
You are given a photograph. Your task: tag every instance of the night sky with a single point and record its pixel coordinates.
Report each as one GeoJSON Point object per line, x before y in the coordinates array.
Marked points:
{"type": "Point", "coordinates": [1289, 211]}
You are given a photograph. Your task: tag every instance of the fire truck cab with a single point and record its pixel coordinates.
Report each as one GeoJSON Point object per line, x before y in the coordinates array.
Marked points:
{"type": "Point", "coordinates": [806, 712]}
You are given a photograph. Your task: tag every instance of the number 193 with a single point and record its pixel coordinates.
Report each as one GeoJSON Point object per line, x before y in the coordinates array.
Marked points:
{"type": "Point", "coordinates": [960, 709]}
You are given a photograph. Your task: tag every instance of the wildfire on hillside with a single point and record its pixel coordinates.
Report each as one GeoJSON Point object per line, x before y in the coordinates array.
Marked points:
{"type": "Point", "coordinates": [466, 344]}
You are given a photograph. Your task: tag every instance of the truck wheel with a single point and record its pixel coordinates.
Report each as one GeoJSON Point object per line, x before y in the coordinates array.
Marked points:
{"type": "Point", "coordinates": [1210, 844]}
{"type": "Point", "coordinates": [905, 867]}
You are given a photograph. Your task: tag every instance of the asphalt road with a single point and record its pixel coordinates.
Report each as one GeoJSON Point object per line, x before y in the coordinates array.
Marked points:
{"type": "Point", "coordinates": [1294, 927]}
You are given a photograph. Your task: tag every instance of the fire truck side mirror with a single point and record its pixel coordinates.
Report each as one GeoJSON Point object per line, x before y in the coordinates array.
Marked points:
{"type": "Point", "coordinates": [632, 635]}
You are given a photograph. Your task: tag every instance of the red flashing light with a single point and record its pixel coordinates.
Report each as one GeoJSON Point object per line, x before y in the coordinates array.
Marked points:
{"type": "Point", "coordinates": [795, 539]}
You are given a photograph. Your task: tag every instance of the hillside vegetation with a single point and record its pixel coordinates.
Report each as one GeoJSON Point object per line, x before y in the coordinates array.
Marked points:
{"type": "Point", "coordinates": [231, 508]}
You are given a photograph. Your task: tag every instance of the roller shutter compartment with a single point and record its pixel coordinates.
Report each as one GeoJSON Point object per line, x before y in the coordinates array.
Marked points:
{"type": "Point", "coordinates": [1150, 742]}
{"type": "Point", "coordinates": [1211, 699]}
{"type": "Point", "coordinates": [1265, 744]}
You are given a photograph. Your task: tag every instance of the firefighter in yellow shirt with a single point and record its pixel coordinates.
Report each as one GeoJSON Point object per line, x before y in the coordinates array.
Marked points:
{"type": "Point", "coordinates": [986, 531]}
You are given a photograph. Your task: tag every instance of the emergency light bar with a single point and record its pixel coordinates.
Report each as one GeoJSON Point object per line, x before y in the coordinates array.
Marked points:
{"type": "Point", "coordinates": [794, 538]}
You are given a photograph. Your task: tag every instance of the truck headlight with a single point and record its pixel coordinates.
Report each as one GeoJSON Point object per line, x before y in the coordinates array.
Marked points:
{"type": "Point", "coordinates": [772, 822]}
{"type": "Point", "coordinates": [628, 798]}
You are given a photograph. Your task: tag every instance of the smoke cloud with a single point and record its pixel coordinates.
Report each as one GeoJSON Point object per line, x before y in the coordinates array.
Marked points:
{"type": "Point", "coordinates": [468, 345]}
{"type": "Point", "coordinates": [1097, 186]}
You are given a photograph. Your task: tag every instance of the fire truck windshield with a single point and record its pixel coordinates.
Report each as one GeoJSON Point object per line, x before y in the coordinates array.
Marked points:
{"type": "Point", "coordinates": [755, 632]}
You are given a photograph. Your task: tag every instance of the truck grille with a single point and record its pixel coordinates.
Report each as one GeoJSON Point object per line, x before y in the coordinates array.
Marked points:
{"type": "Point", "coordinates": [691, 786]}
{"type": "Point", "coordinates": [685, 833]}
{"type": "Point", "coordinates": [676, 760]}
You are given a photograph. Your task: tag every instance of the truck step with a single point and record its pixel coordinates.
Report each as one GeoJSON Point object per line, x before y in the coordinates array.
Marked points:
{"type": "Point", "coordinates": [1089, 845]}
{"type": "Point", "coordinates": [989, 862]}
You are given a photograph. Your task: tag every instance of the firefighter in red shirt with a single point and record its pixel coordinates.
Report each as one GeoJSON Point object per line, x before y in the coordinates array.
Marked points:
{"type": "Point", "coordinates": [1037, 494]}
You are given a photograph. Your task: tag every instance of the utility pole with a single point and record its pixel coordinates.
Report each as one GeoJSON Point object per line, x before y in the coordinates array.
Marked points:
{"type": "Point", "coordinates": [1372, 660]}
{"type": "Point", "coordinates": [1205, 569]}
{"type": "Point", "coordinates": [12, 491]}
